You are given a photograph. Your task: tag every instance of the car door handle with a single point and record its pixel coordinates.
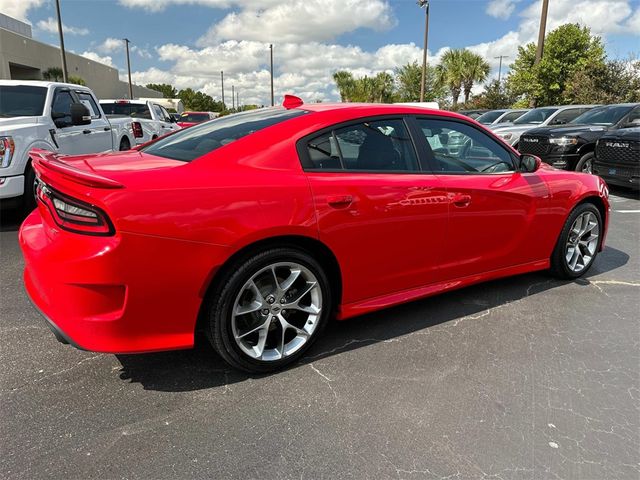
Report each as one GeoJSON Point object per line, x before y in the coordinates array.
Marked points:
{"type": "Point", "coordinates": [461, 200]}
{"type": "Point", "coordinates": [106, 129]}
{"type": "Point", "coordinates": [340, 201]}
{"type": "Point", "coordinates": [86, 132]}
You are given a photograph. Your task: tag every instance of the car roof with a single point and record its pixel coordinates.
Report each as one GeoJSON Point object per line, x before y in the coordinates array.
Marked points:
{"type": "Point", "coordinates": [42, 83]}
{"type": "Point", "coordinates": [378, 109]}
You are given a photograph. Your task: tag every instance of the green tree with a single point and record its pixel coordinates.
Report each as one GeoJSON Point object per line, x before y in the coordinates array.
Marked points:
{"type": "Point", "coordinates": [168, 91]}
{"type": "Point", "coordinates": [616, 81]}
{"type": "Point", "coordinates": [77, 80]}
{"type": "Point", "coordinates": [495, 96]}
{"type": "Point", "coordinates": [53, 74]}
{"type": "Point", "coordinates": [199, 101]}
{"type": "Point", "coordinates": [345, 83]}
{"type": "Point", "coordinates": [475, 69]}
{"type": "Point", "coordinates": [567, 49]}
{"type": "Point", "coordinates": [408, 79]}
{"type": "Point", "coordinates": [449, 74]}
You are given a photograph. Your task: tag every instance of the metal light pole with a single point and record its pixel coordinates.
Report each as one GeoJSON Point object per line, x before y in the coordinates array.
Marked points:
{"type": "Point", "coordinates": [541, 33]}
{"type": "Point", "coordinates": [424, 4]}
{"type": "Point", "coordinates": [126, 44]}
{"type": "Point", "coordinates": [62, 54]}
{"type": "Point", "coordinates": [233, 98]}
{"type": "Point", "coordinates": [222, 83]}
{"type": "Point", "coordinates": [500, 67]}
{"type": "Point", "coordinates": [271, 56]}
{"type": "Point", "coordinates": [238, 99]}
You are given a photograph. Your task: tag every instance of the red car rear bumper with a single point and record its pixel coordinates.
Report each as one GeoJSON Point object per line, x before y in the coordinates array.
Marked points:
{"type": "Point", "coordinates": [116, 294]}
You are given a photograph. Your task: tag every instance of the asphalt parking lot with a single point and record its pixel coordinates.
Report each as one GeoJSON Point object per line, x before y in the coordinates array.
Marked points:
{"type": "Point", "coordinates": [521, 378]}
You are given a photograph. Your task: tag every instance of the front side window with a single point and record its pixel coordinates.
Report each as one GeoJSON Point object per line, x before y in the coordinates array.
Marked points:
{"type": "Point", "coordinates": [21, 101]}
{"type": "Point", "coordinates": [61, 108]}
{"type": "Point", "coordinates": [460, 148]}
{"type": "Point", "coordinates": [489, 117]}
{"type": "Point", "coordinates": [374, 146]}
{"type": "Point", "coordinates": [511, 116]}
{"type": "Point", "coordinates": [87, 100]}
{"type": "Point", "coordinates": [196, 141]}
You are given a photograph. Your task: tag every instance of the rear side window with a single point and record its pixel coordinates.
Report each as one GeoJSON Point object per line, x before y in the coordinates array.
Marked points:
{"type": "Point", "coordinates": [196, 141]}
{"type": "Point", "coordinates": [374, 146]}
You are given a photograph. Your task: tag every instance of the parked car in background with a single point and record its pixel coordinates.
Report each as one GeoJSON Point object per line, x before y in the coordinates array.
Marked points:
{"type": "Point", "coordinates": [175, 116]}
{"type": "Point", "coordinates": [617, 158]}
{"type": "Point", "coordinates": [63, 118]}
{"type": "Point", "coordinates": [501, 116]}
{"type": "Point", "coordinates": [572, 146]}
{"type": "Point", "coordinates": [538, 117]}
{"type": "Point", "coordinates": [189, 119]}
{"type": "Point", "coordinates": [150, 120]}
{"type": "Point", "coordinates": [258, 227]}
{"type": "Point", "coordinates": [473, 113]}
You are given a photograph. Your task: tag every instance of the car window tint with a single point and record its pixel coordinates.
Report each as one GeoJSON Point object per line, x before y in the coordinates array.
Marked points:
{"type": "Point", "coordinates": [21, 100]}
{"type": "Point", "coordinates": [460, 148]}
{"type": "Point", "coordinates": [194, 142]}
{"type": "Point", "coordinates": [140, 111]}
{"type": "Point", "coordinates": [634, 116]}
{"type": "Point", "coordinates": [62, 105]}
{"type": "Point", "coordinates": [565, 116]}
{"type": "Point", "coordinates": [380, 145]}
{"type": "Point", "coordinates": [511, 116]}
{"type": "Point", "coordinates": [88, 101]}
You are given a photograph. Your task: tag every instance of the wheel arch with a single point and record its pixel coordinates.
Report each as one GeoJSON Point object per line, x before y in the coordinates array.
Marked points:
{"type": "Point", "coordinates": [602, 208]}
{"type": "Point", "coordinates": [312, 246]}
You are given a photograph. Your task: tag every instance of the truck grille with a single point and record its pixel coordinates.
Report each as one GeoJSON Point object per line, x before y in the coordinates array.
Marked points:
{"type": "Point", "coordinates": [533, 145]}
{"type": "Point", "coordinates": [618, 151]}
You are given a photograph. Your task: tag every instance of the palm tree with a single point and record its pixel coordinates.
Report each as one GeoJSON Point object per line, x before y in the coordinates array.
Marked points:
{"type": "Point", "coordinates": [345, 83]}
{"type": "Point", "coordinates": [475, 69]}
{"type": "Point", "coordinates": [449, 73]}
{"type": "Point", "coordinates": [383, 88]}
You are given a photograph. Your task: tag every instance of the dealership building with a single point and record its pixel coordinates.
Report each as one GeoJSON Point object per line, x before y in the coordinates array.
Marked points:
{"type": "Point", "coordinates": [23, 58]}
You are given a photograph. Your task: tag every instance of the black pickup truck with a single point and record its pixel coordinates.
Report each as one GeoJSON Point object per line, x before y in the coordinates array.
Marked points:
{"type": "Point", "coordinates": [618, 158]}
{"type": "Point", "coordinates": [572, 146]}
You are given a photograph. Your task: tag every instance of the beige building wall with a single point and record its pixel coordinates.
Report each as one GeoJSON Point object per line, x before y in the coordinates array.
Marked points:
{"type": "Point", "coordinates": [22, 58]}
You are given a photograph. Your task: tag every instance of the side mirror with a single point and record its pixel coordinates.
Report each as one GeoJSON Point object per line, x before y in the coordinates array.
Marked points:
{"type": "Point", "coordinates": [80, 114]}
{"type": "Point", "coordinates": [529, 163]}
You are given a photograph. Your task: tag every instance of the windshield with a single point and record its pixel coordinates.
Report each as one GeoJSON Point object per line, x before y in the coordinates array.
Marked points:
{"type": "Point", "coordinates": [196, 141]}
{"type": "Point", "coordinates": [489, 117]}
{"type": "Point", "coordinates": [603, 116]}
{"type": "Point", "coordinates": [537, 115]}
{"type": "Point", "coordinates": [193, 117]}
{"type": "Point", "coordinates": [22, 101]}
{"type": "Point", "coordinates": [133, 110]}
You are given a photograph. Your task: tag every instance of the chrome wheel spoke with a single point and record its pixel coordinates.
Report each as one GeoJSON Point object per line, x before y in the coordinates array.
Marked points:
{"type": "Point", "coordinates": [262, 341]}
{"type": "Point", "coordinates": [264, 326]}
{"type": "Point", "coordinates": [290, 280]}
{"type": "Point", "coordinates": [252, 307]}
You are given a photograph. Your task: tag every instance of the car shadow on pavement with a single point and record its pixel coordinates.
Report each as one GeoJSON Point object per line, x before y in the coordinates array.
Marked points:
{"type": "Point", "coordinates": [10, 218]}
{"type": "Point", "coordinates": [201, 368]}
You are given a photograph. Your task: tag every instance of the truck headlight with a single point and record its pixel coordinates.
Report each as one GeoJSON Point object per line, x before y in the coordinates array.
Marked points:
{"type": "Point", "coordinates": [7, 147]}
{"type": "Point", "coordinates": [563, 141]}
{"type": "Point", "coordinates": [505, 136]}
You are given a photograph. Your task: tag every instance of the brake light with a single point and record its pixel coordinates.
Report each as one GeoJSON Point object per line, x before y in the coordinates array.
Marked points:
{"type": "Point", "coordinates": [73, 215]}
{"type": "Point", "coordinates": [122, 101]}
{"type": "Point", "coordinates": [137, 129]}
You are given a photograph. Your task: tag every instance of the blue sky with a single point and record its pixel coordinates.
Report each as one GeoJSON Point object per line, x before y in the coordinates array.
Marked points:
{"type": "Point", "coordinates": [187, 42]}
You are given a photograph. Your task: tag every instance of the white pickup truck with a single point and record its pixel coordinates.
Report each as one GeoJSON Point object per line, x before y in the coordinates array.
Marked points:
{"type": "Point", "coordinates": [150, 120]}
{"type": "Point", "coordinates": [59, 117]}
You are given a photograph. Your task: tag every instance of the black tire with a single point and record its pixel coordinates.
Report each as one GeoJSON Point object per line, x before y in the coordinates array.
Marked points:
{"type": "Point", "coordinates": [585, 164]}
{"type": "Point", "coordinates": [220, 302]}
{"type": "Point", "coordinates": [125, 144]}
{"type": "Point", "coordinates": [28, 197]}
{"type": "Point", "coordinates": [559, 265]}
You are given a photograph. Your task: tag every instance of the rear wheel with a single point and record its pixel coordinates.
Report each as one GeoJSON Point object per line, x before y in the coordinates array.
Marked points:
{"type": "Point", "coordinates": [270, 309]}
{"type": "Point", "coordinates": [124, 144]}
{"type": "Point", "coordinates": [578, 243]}
{"type": "Point", "coordinates": [585, 165]}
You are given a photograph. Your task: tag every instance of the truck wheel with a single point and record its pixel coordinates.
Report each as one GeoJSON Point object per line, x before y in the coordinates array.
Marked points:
{"type": "Point", "coordinates": [29, 197]}
{"type": "Point", "coordinates": [585, 165]}
{"type": "Point", "coordinates": [124, 144]}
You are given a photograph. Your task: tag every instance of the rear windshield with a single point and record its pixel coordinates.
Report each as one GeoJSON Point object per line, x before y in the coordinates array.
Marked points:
{"type": "Point", "coordinates": [194, 117]}
{"type": "Point", "coordinates": [489, 117]}
{"type": "Point", "coordinates": [133, 110]}
{"type": "Point", "coordinates": [537, 115]}
{"type": "Point", "coordinates": [22, 101]}
{"type": "Point", "coordinates": [196, 141]}
{"type": "Point", "coordinates": [603, 116]}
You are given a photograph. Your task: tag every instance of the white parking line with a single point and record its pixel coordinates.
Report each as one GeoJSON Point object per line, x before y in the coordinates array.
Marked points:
{"type": "Point", "coordinates": [627, 211]}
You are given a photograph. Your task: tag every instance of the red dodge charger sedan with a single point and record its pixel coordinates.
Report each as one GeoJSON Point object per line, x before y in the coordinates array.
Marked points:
{"type": "Point", "coordinates": [259, 227]}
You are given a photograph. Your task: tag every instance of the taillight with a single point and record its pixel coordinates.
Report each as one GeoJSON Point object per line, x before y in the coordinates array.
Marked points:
{"type": "Point", "coordinates": [137, 129]}
{"type": "Point", "coordinates": [72, 214]}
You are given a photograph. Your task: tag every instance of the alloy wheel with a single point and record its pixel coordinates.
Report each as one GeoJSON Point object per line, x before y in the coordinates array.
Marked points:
{"type": "Point", "coordinates": [582, 242]}
{"type": "Point", "coordinates": [276, 311]}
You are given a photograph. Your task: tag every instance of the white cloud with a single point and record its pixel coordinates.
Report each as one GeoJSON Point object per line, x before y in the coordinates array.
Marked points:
{"type": "Point", "coordinates": [111, 45]}
{"type": "Point", "coordinates": [501, 8]}
{"type": "Point", "coordinates": [50, 25]}
{"type": "Point", "coordinates": [19, 8]}
{"type": "Point", "coordinates": [159, 5]}
{"type": "Point", "coordinates": [107, 60]}
{"type": "Point", "coordinates": [300, 21]}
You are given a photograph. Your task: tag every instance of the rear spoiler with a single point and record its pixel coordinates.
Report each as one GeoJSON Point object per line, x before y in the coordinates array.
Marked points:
{"type": "Point", "coordinates": [47, 160]}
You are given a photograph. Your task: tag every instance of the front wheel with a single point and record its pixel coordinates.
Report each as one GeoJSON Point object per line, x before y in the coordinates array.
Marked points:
{"type": "Point", "coordinates": [578, 243]}
{"type": "Point", "coordinates": [270, 309]}
{"type": "Point", "coordinates": [585, 165]}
